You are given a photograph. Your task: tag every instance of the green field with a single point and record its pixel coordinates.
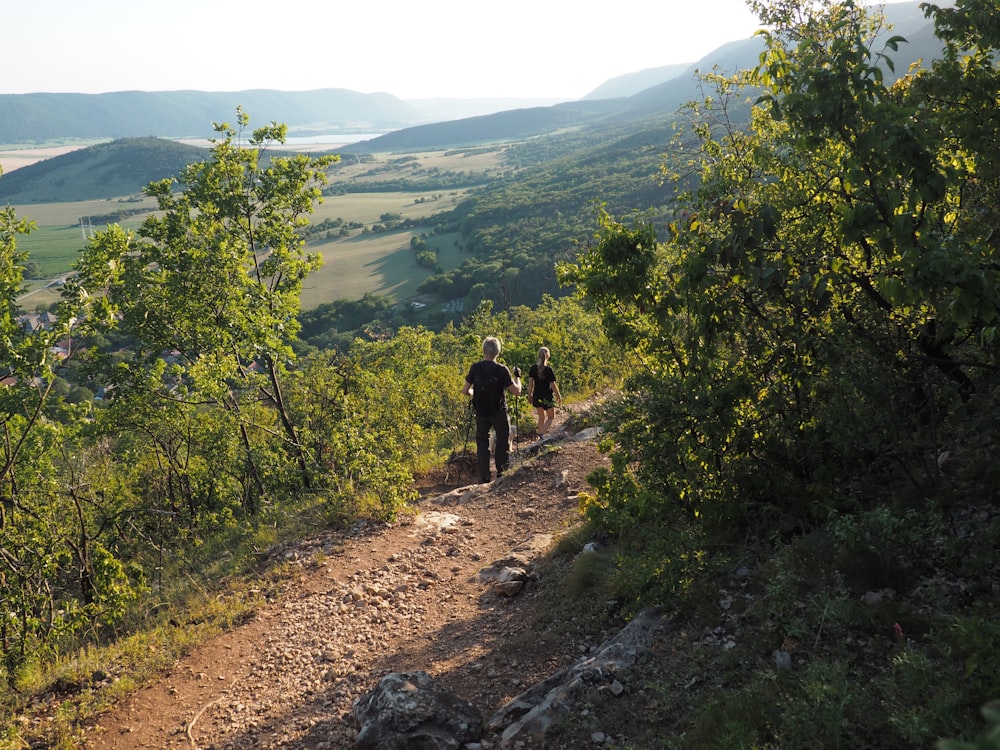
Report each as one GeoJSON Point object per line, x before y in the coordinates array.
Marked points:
{"type": "Point", "coordinates": [366, 208]}
{"type": "Point", "coordinates": [376, 262]}
{"type": "Point", "coordinates": [382, 264]}
{"type": "Point", "coordinates": [56, 242]}
{"type": "Point", "coordinates": [379, 263]}
{"type": "Point", "coordinates": [54, 249]}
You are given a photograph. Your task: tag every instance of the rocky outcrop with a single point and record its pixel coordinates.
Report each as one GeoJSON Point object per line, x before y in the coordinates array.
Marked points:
{"type": "Point", "coordinates": [531, 714]}
{"type": "Point", "coordinates": [411, 711]}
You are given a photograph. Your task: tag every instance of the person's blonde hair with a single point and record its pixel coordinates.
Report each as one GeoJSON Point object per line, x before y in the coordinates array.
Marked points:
{"type": "Point", "coordinates": [543, 357]}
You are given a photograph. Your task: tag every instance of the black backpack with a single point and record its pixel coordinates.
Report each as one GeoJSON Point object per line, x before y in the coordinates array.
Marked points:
{"type": "Point", "coordinates": [487, 395]}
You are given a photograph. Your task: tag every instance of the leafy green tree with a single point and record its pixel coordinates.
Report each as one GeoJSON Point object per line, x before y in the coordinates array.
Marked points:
{"type": "Point", "coordinates": [213, 280]}
{"type": "Point", "coordinates": [815, 328]}
{"type": "Point", "coordinates": [824, 305]}
{"type": "Point", "coordinates": [58, 569]}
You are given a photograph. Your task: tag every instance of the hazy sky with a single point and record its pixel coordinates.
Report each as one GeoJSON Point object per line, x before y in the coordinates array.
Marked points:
{"type": "Point", "coordinates": [449, 48]}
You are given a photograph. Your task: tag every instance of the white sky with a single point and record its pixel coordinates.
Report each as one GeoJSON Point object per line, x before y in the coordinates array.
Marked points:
{"type": "Point", "coordinates": [559, 49]}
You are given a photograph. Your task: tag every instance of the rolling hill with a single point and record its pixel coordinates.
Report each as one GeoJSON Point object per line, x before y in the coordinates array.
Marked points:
{"type": "Point", "coordinates": [107, 170]}
{"type": "Point", "coordinates": [515, 124]}
{"type": "Point", "coordinates": [633, 83]}
{"type": "Point", "coordinates": [662, 98]}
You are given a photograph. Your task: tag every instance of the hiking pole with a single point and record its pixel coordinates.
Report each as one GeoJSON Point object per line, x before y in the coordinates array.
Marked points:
{"type": "Point", "coordinates": [465, 448]}
{"type": "Point", "coordinates": [517, 414]}
{"type": "Point", "coordinates": [468, 428]}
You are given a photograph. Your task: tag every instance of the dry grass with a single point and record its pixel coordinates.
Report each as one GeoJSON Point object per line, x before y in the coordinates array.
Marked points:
{"type": "Point", "coordinates": [22, 157]}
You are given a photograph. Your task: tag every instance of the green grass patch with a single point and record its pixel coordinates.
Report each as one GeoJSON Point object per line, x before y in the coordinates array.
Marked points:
{"type": "Point", "coordinates": [59, 236]}
{"type": "Point", "coordinates": [367, 208]}
{"type": "Point", "coordinates": [40, 296]}
{"type": "Point", "coordinates": [54, 249]}
{"type": "Point", "coordinates": [380, 263]}
{"type": "Point", "coordinates": [69, 214]}
{"type": "Point", "coordinates": [449, 252]}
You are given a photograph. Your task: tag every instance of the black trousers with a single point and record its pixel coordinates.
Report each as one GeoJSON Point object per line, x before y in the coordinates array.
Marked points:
{"type": "Point", "coordinates": [499, 423]}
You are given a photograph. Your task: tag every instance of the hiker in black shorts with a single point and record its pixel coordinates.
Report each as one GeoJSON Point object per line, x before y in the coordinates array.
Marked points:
{"type": "Point", "coordinates": [488, 382]}
{"type": "Point", "coordinates": [543, 393]}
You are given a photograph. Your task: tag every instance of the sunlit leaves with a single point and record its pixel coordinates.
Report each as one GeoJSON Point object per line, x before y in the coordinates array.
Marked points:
{"type": "Point", "coordinates": [835, 255]}
{"type": "Point", "coordinates": [54, 575]}
{"type": "Point", "coordinates": [213, 281]}
{"type": "Point", "coordinates": [620, 277]}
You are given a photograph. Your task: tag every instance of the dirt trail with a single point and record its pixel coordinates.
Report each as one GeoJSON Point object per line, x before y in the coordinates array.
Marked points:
{"type": "Point", "coordinates": [401, 597]}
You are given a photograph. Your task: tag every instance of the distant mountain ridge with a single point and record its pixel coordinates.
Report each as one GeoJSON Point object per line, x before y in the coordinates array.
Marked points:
{"type": "Point", "coordinates": [633, 83]}
{"type": "Point", "coordinates": [47, 117]}
{"type": "Point", "coordinates": [421, 124]}
{"type": "Point", "coordinates": [677, 85]}
{"type": "Point", "coordinates": [35, 118]}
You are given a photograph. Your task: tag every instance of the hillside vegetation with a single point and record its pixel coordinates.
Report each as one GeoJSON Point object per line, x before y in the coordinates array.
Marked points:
{"type": "Point", "coordinates": [792, 284]}
{"type": "Point", "coordinates": [374, 209]}
{"type": "Point", "coordinates": [103, 171]}
{"type": "Point", "coordinates": [802, 461]}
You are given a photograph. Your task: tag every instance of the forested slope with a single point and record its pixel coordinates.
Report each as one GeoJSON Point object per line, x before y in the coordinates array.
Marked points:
{"type": "Point", "coordinates": [110, 170]}
{"type": "Point", "coordinates": [516, 230]}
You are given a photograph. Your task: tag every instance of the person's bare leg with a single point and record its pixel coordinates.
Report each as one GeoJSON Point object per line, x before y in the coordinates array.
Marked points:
{"type": "Point", "coordinates": [540, 419]}
{"type": "Point", "coordinates": [550, 415]}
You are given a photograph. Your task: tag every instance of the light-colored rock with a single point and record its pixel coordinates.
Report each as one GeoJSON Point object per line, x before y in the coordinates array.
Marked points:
{"type": "Point", "coordinates": [508, 588]}
{"type": "Point", "coordinates": [434, 522]}
{"type": "Point", "coordinates": [530, 715]}
{"type": "Point", "coordinates": [409, 710]}
{"type": "Point", "coordinates": [591, 433]}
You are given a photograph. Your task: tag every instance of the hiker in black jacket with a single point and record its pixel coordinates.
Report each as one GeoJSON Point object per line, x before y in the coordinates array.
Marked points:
{"type": "Point", "coordinates": [488, 382]}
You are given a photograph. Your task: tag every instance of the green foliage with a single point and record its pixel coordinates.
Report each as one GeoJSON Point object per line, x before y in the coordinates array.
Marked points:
{"type": "Point", "coordinates": [779, 357]}
{"type": "Point", "coordinates": [336, 324]}
{"type": "Point", "coordinates": [742, 721]}
{"type": "Point", "coordinates": [920, 698]}
{"type": "Point", "coordinates": [990, 740]}
{"type": "Point", "coordinates": [973, 641]}
{"type": "Point", "coordinates": [215, 280]}
{"type": "Point", "coordinates": [874, 547]}
{"type": "Point", "coordinates": [59, 571]}
{"type": "Point", "coordinates": [519, 228]}
{"type": "Point", "coordinates": [364, 460]}
{"type": "Point", "coordinates": [813, 334]}
{"type": "Point", "coordinates": [427, 258]}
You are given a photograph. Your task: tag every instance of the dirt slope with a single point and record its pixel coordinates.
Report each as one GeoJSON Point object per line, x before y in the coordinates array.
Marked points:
{"type": "Point", "coordinates": [406, 596]}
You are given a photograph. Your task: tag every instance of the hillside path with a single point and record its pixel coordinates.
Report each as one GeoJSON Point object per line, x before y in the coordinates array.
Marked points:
{"type": "Point", "coordinates": [380, 598]}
